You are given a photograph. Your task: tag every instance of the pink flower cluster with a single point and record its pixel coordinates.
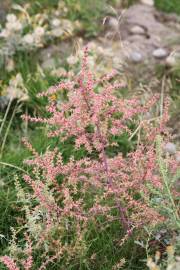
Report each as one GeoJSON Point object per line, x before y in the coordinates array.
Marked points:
{"type": "Point", "coordinates": [10, 264]}
{"type": "Point", "coordinates": [93, 104]}
{"type": "Point", "coordinates": [92, 115]}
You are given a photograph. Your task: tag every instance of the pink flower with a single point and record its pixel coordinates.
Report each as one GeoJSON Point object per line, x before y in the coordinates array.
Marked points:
{"type": "Point", "coordinates": [10, 264]}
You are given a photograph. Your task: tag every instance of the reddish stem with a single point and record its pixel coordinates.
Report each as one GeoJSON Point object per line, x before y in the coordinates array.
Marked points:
{"type": "Point", "coordinates": [123, 217]}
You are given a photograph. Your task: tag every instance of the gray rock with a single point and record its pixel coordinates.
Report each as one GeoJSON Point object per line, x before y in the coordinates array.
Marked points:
{"type": "Point", "coordinates": [148, 2]}
{"type": "Point", "coordinates": [113, 24]}
{"type": "Point", "coordinates": [170, 148]}
{"type": "Point", "coordinates": [137, 30]}
{"type": "Point", "coordinates": [173, 59]}
{"type": "Point", "coordinates": [160, 53]}
{"type": "Point", "coordinates": [136, 57]}
{"type": "Point", "coordinates": [3, 102]}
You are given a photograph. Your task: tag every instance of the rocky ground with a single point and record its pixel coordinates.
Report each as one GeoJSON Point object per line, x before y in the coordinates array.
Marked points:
{"type": "Point", "coordinates": [143, 40]}
{"type": "Point", "coordinates": [139, 38]}
{"type": "Point", "coordinates": [147, 36]}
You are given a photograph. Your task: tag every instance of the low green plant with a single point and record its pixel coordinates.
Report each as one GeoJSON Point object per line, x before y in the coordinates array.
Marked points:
{"type": "Point", "coordinates": [89, 13]}
{"type": "Point", "coordinates": [165, 238]}
{"type": "Point", "coordinates": [168, 200]}
{"type": "Point", "coordinates": [168, 5]}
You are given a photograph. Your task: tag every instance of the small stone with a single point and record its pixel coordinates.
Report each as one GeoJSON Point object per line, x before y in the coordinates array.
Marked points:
{"type": "Point", "coordinates": [170, 148]}
{"type": "Point", "coordinates": [160, 53]}
{"type": "Point", "coordinates": [136, 57]}
{"type": "Point", "coordinates": [4, 100]}
{"type": "Point", "coordinates": [113, 23]}
{"type": "Point", "coordinates": [148, 2]}
{"type": "Point", "coordinates": [158, 235]}
{"type": "Point", "coordinates": [173, 59]}
{"type": "Point", "coordinates": [137, 30]}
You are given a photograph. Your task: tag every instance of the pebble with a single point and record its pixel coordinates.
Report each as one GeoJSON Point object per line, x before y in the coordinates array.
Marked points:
{"type": "Point", "coordinates": [170, 148]}
{"type": "Point", "coordinates": [160, 53]}
{"type": "Point", "coordinates": [173, 59]}
{"type": "Point", "coordinates": [137, 30]}
{"type": "Point", "coordinates": [136, 57]}
{"type": "Point", "coordinates": [148, 2]}
{"type": "Point", "coordinates": [3, 102]}
{"type": "Point", "coordinates": [113, 23]}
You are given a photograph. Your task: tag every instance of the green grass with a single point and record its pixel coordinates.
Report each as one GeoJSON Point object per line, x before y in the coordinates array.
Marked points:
{"type": "Point", "coordinates": [11, 164]}
{"type": "Point", "coordinates": [168, 5]}
{"type": "Point", "coordinates": [164, 5]}
{"type": "Point", "coordinates": [89, 13]}
{"type": "Point", "coordinates": [172, 75]}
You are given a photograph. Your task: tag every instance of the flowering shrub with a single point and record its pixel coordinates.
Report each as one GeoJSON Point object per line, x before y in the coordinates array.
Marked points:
{"type": "Point", "coordinates": [100, 182]}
